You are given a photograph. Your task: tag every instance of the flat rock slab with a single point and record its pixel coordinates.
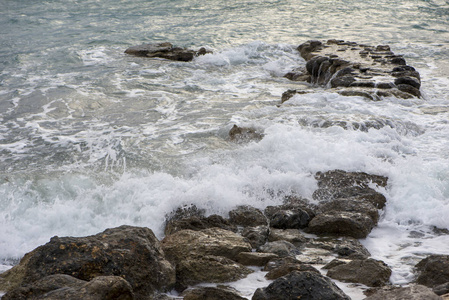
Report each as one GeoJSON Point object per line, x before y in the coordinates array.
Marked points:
{"type": "Point", "coordinates": [165, 50]}
{"type": "Point", "coordinates": [353, 69]}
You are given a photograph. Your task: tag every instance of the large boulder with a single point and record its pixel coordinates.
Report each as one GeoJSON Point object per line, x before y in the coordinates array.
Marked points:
{"type": "Point", "coordinates": [412, 292]}
{"type": "Point", "coordinates": [433, 270]}
{"type": "Point", "coordinates": [165, 50]}
{"type": "Point", "coordinates": [256, 236]}
{"type": "Point", "coordinates": [280, 248]}
{"type": "Point", "coordinates": [133, 253]}
{"type": "Point", "coordinates": [369, 272]}
{"type": "Point", "coordinates": [353, 69]}
{"type": "Point", "coordinates": [246, 215]}
{"type": "Point", "coordinates": [351, 205]}
{"type": "Point", "coordinates": [211, 241]}
{"type": "Point", "coordinates": [300, 285]}
{"type": "Point", "coordinates": [197, 223]}
{"type": "Point", "coordinates": [65, 287]}
{"type": "Point", "coordinates": [344, 247]}
{"type": "Point", "coordinates": [341, 223]}
{"type": "Point", "coordinates": [293, 236]}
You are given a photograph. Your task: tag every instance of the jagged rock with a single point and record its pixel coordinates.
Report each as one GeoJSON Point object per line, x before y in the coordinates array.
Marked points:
{"type": "Point", "coordinates": [281, 248]}
{"type": "Point", "coordinates": [369, 272]}
{"type": "Point", "coordinates": [165, 50]}
{"type": "Point", "coordinates": [341, 223]}
{"type": "Point", "coordinates": [208, 268]}
{"type": "Point", "coordinates": [441, 289]}
{"type": "Point", "coordinates": [433, 270]}
{"type": "Point", "coordinates": [247, 216]}
{"type": "Point", "coordinates": [197, 223]}
{"type": "Point", "coordinates": [336, 262]}
{"type": "Point", "coordinates": [304, 285]}
{"type": "Point", "coordinates": [244, 134]}
{"type": "Point", "coordinates": [131, 252]}
{"type": "Point", "coordinates": [293, 236]}
{"type": "Point", "coordinates": [211, 293]}
{"type": "Point", "coordinates": [211, 241]}
{"type": "Point", "coordinates": [255, 258]}
{"type": "Point", "coordinates": [60, 287]}
{"type": "Point", "coordinates": [256, 236]}
{"type": "Point", "coordinates": [413, 292]}
{"type": "Point", "coordinates": [344, 247]}
{"type": "Point", "coordinates": [351, 205]}
{"type": "Point", "coordinates": [356, 70]}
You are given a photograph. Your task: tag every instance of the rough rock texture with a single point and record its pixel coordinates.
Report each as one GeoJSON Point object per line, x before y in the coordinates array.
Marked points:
{"type": "Point", "coordinates": [247, 216]}
{"type": "Point", "coordinates": [441, 289]}
{"type": "Point", "coordinates": [433, 270]}
{"type": "Point", "coordinates": [256, 236]}
{"type": "Point", "coordinates": [244, 134]}
{"type": "Point", "coordinates": [413, 292]}
{"type": "Point", "coordinates": [211, 293]}
{"type": "Point", "coordinates": [344, 247]}
{"type": "Point", "coordinates": [369, 272]}
{"type": "Point", "coordinates": [352, 69]}
{"type": "Point", "coordinates": [281, 248]}
{"type": "Point", "coordinates": [208, 268]}
{"type": "Point", "coordinates": [197, 223]}
{"type": "Point", "coordinates": [61, 287]}
{"type": "Point", "coordinates": [211, 241]}
{"type": "Point", "coordinates": [301, 285]}
{"type": "Point", "coordinates": [352, 224]}
{"type": "Point", "coordinates": [133, 253]}
{"type": "Point", "coordinates": [255, 258]}
{"type": "Point", "coordinates": [165, 50]}
{"type": "Point", "coordinates": [290, 218]}
{"type": "Point", "coordinates": [352, 205]}
{"type": "Point", "coordinates": [288, 267]}
{"type": "Point", "coordinates": [293, 236]}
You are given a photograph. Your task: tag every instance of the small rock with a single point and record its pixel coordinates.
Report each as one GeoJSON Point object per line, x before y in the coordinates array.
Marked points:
{"type": "Point", "coordinates": [287, 268]}
{"type": "Point", "coordinates": [256, 236]}
{"type": "Point", "coordinates": [165, 50]}
{"type": "Point", "coordinates": [247, 216]}
{"type": "Point", "coordinates": [244, 134]}
{"type": "Point", "coordinates": [291, 218]}
{"type": "Point", "coordinates": [281, 248]}
{"type": "Point", "coordinates": [211, 293]}
{"type": "Point", "coordinates": [293, 236]}
{"type": "Point", "coordinates": [255, 258]}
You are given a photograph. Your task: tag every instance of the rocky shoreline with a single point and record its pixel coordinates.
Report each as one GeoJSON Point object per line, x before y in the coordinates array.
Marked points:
{"type": "Point", "coordinates": [303, 246]}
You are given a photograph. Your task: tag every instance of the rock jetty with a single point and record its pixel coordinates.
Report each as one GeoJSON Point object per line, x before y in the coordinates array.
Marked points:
{"type": "Point", "coordinates": [352, 69]}
{"type": "Point", "coordinates": [165, 50]}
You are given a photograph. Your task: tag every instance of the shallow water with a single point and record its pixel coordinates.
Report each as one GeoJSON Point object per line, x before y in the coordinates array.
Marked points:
{"type": "Point", "coordinates": [91, 138]}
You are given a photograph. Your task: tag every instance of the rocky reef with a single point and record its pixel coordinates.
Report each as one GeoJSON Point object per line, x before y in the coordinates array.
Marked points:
{"type": "Point", "coordinates": [130, 263]}
{"type": "Point", "coordinates": [165, 50]}
{"type": "Point", "coordinates": [352, 69]}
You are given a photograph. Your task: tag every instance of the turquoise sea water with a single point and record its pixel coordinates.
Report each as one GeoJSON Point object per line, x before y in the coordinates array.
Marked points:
{"type": "Point", "coordinates": [91, 138]}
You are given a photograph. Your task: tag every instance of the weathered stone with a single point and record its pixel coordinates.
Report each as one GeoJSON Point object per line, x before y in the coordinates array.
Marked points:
{"type": "Point", "coordinates": [197, 223]}
{"type": "Point", "coordinates": [61, 287]}
{"type": "Point", "coordinates": [281, 248]}
{"type": "Point", "coordinates": [293, 236]}
{"type": "Point", "coordinates": [433, 270]}
{"type": "Point", "coordinates": [369, 272]}
{"type": "Point", "coordinates": [211, 293]}
{"type": "Point", "coordinates": [341, 223]}
{"type": "Point", "coordinates": [255, 258]}
{"type": "Point", "coordinates": [256, 236]}
{"type": "Point", "coordinates": [287, 268]}
{"type": "Point", "coordinates": [344, 247]}
{"type": "Point", "coordinates": [441, 289]}
{"type": "Point", "coordinates": [208, 268]}
{"type": "Point", "coordinates": [244, 134]}
{"type": "Point", "coordinates": [336, 262]}
{"type": "Point", "coordinates": [351, 205]}
{"type": "Point", "coordinates": [340, 178]}
{"type": "Point", "coordinates": [165, 50]}
{"type": "Point", "coordinates": [413, 292]}
{"type": "Point", "coordinates": [247, 216]}
{"type": "Point", "coordinates": [291, 218]}
{"type": "Point", "coordinates": [304, 285]}
{"type": "Point", "coordinates": [133, 253]}
{"type": "Point", "coordinates": [211, 241]}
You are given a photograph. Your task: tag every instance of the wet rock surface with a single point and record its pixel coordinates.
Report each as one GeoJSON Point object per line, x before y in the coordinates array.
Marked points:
{"type": "Point", "coordinates": [166, 51]}
{"type": "Point", "coordinates": [433, 270]}
{"type": "Point", "coordinates": [353, 69]}
{"type": "Point", "coordinates": [413, 292]}
{"type": "Point", "coordinates": [301, 285]}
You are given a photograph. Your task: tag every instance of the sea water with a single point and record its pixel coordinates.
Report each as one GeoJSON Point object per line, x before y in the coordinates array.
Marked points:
{"type": "Point", "coordinates": [91, 138]}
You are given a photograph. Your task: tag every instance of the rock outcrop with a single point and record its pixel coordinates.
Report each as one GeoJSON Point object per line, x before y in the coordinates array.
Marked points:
{"type": "Point", "coordinates": [133, 253]}
{"type": "Point", "coordinates": [353, 69]}
{"type": "Point", "coordinates": [166, 51]}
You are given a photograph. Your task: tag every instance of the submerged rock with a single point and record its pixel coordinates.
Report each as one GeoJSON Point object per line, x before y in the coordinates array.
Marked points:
{"type": "Point", "coordinates": [353, 69]}
{"type": "Point", "coordinates": [165, 50]}
{"type": "Point", "coordinates": [244, 134]}
{"type": "Point", "coordinates": [133, 253]}
{"type": "Point", "coordinates": [301, 285]}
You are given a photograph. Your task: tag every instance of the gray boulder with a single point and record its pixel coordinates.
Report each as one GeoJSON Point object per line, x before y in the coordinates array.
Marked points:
{"type": "Point", "coordinates": [433, 270]}
{"type": "Point", "coordinates": [413, 292]}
